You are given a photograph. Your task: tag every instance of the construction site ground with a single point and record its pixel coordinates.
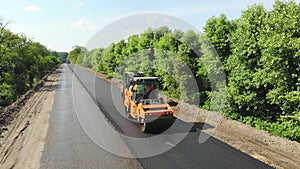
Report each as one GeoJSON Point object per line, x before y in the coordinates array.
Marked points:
{"type": "Point", "coordinates": [24, 127]}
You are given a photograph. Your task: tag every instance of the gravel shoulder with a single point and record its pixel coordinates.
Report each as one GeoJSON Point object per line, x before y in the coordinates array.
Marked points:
{"type": "Point", "coordinates": [24, 125]}
{"type": "Point", "coordinates": [272, 150]}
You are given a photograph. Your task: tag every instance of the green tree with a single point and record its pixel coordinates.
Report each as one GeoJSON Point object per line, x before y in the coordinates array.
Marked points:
{"type": "Point", "coordinates": [264, 69]}
{"type": "Point", "coordinates": [246, 52]}
{"type": "Point", "coordinates": [21, 64]}
{"type": "Point", "coordinates": [218, 30]}
{"type": "Point", "coordinates": [75, 53]}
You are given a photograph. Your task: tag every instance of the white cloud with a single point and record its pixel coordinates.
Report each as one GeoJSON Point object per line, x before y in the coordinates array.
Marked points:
{"type": "Point", "coordinates": [31, 8]}
{"type": "Point", "coordinates": [83, 25]}
{"type": "Point", "coordinates": [78, 5]}
{"type": "Point", "coordinates": [79, 23]}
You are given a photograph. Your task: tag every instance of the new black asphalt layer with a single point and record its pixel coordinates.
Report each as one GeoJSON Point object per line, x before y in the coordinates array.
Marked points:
{"type": "Point", "coordinates": [67, 145]}
{"type": "Point", "coordinates": [188, 153]}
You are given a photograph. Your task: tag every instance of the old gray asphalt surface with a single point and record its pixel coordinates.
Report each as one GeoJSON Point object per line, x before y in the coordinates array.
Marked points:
{"type": "Point", "coordinates": [70, 144]}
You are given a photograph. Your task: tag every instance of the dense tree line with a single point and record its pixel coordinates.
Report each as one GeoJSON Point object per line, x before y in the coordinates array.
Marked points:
{"type": "Point", "coordinates": [260, 54]}
{"type": "Point", "coordinates": [171, 55]}
{"type": "Point", "coordinates": [23, 63]}
{"type": "Point", "coordinates": [264, 70]}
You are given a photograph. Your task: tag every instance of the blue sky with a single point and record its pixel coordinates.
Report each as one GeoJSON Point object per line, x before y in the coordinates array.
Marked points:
{"type": "Point", "coordinates": [61, 24]}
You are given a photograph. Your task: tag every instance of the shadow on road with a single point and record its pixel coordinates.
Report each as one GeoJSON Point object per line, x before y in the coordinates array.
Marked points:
{"type": "Point", "coordinates": [175, 126]}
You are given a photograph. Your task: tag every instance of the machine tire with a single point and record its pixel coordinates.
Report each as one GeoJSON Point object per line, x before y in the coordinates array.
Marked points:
{"type": "Point", "coordinates": [143, 126]}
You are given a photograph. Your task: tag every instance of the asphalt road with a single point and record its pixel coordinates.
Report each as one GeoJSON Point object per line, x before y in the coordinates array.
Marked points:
{"type": "Point", "coordinates": [88, 130]}
{"type": "Point", "coordinates": [66, 144]}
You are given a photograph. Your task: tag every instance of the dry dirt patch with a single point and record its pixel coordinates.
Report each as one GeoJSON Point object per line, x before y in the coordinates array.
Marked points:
{"type": "Point", "coordinates": [24, 125]}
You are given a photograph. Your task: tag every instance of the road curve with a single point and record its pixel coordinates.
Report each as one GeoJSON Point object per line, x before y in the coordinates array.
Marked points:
{"type": "Point", "coordinates": [188, 153]}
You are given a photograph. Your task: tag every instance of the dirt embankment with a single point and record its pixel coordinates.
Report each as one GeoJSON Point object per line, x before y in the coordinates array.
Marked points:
{"type": "Point", "coordinates": [273, 150]}
{"type": "Point", "coordinates": [23, 125]}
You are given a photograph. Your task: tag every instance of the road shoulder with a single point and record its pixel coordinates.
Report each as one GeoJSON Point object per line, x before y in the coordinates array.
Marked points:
{"type": "Point", "coordinates": [22, 142]}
